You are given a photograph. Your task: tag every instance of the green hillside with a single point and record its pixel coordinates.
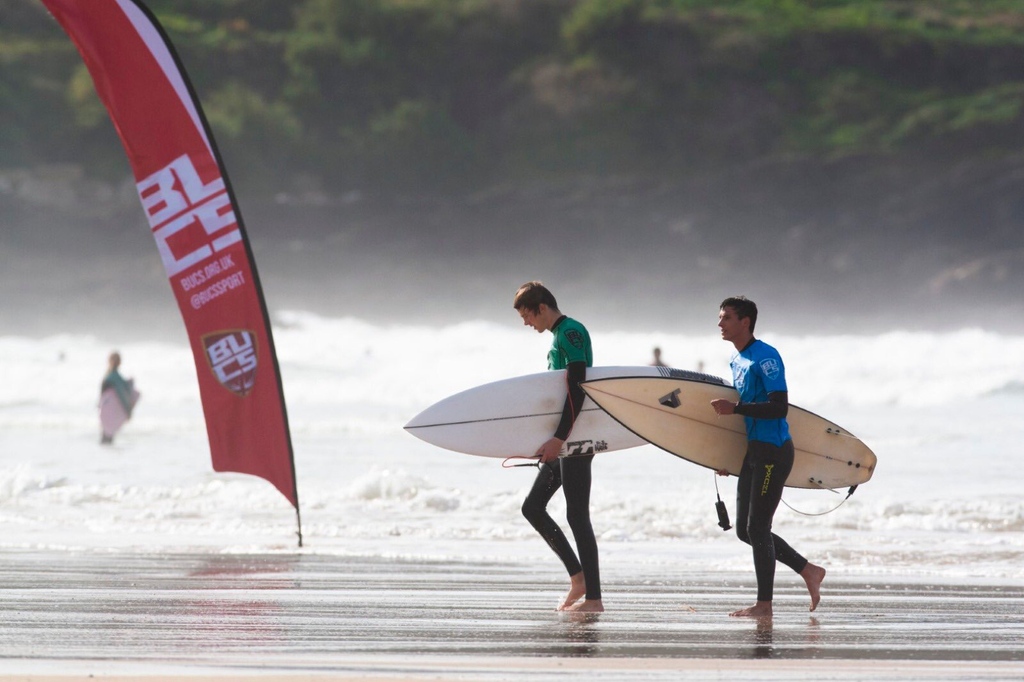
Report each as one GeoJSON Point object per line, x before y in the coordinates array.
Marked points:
{"type": "Point", "coordinates": [427, 95]}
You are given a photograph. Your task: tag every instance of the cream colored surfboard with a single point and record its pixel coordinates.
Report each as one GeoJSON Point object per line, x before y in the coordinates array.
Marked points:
{"type": "Point", "coordinates": [676, 415]}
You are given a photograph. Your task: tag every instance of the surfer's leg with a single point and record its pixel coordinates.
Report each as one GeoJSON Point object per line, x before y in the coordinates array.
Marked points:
{"type": "Point", "coordinates": [547, 483]}
{"type": "Point", "coordinates": [812, 574]}
{"type": "Point", "coordinates": [576, 478]}
{"type": "Point", "coordinates": [758, 506]}
{"type": "Point", "coordinates": [743, 498]}
{"type": "Point", "coordinates": [768, 467]}
{"type": "Point", "coordinates": [549, 479]}
{"type": "Point", "coordinates": [744, 493]}
{"type": "Point", "coordinates": [577, 589]}
{"type": "Point", "coordinates": [784, 458]}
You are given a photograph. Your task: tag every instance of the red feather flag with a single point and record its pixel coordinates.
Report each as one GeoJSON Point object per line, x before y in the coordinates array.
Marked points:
{"type": "Point", "coordinates": [198, 230]}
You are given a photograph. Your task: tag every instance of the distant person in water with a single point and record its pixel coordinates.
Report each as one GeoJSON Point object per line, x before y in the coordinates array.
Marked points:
{"type": "Point", "coordinates": [760, 378]}
{"type": "Point", "coordinates": [657, 361]}
{"type": "Point", "coordinates": [124, 392]}
{"type": "Point", "coordinates": [570, 351]}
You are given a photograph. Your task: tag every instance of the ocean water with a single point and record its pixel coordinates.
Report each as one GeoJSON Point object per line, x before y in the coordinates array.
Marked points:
{"type": "Point", "coordinates": [942, 411]}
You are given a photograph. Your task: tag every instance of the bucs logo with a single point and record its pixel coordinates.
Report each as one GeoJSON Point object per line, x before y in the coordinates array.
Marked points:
{"type": "Point", "coordinates": [233, 359]}
{"type": "Point", "coordinates": [771, 368]}
{"type": "Point", "coordinates": [574, 337]}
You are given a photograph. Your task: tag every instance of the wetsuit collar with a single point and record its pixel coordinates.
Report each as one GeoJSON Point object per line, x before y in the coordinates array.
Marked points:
{"type": "Point", "coordinates": [558, 322]}
{"type": "Point", "coordinates": [749, 344]}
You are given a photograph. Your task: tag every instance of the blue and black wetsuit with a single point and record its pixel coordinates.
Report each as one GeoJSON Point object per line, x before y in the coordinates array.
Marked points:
{"type": "Point", "coordinates": [760, 378]}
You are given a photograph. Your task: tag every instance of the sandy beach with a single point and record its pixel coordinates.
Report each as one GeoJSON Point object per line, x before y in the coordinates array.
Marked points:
{"type": "Point", "coordinates": [137, 562]}
{"type": "Point", "coordinates": [121, 616]}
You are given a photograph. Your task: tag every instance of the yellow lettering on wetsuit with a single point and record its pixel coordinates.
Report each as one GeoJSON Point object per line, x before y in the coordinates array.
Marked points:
{"type": "Point", "coordinates": [767, 478]}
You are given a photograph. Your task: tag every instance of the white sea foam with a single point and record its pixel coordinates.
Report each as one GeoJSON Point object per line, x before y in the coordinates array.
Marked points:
{"type": "Point", "coordinates": [941, 411]}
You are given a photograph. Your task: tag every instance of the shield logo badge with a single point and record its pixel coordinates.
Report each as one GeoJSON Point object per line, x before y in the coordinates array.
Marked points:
{"type": "Point", "coordinates": [233, 358]}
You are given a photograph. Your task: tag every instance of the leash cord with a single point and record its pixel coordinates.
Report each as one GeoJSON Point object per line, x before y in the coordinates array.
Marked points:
{"type": "Point", "coordinates": [506, 465]}
{"type": "Point", "coordinates": [827, 511]}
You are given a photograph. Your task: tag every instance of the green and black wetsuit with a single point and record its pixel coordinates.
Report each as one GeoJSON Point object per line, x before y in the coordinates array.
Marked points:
{"type": "Point", "coordinates": [114, 380]}
{"type": "Point", "coordinates": [570, 350]}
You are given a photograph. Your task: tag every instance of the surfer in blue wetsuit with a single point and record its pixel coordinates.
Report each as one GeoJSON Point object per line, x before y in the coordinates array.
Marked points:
{"type": "Point", "coordinates": [570, 351]}
{"type": "Point", "coordinates": [760, 378]}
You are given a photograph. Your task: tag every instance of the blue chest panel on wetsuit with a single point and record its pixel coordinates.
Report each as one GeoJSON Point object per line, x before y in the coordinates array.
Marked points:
{"type": "Point", "coordinates": [757, 370]}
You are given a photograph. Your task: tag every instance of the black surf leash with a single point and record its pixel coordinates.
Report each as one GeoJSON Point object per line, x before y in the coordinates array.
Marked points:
{"type": "Point", "coordinates": [827, 511]}
{"type": "Point", "coordinates": [723, 513]}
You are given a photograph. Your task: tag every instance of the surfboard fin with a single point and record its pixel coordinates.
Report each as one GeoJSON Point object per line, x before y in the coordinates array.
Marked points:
{"type": "Point", "coordinates": [670, 399]}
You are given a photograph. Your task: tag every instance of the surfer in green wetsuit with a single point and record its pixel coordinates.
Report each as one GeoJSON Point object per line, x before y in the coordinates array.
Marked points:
{"type": "Point", "coordinates": [122, 387]}
{"type": "Point", "coordinates": [760, 379]}
{"type": "Point", "coordinates": [570, 351]}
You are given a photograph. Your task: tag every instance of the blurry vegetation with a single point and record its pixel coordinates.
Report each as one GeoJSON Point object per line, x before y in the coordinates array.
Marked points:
{"type": "Point", "coordinates": [427, 95]}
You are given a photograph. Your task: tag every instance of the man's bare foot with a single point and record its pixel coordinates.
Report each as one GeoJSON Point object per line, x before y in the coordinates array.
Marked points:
{"type": "Point", "coordinates": [577, 588]}
{"type": "Point", "coordinates": [587, 606]}
{"type": "Point", "coordinates": [762, 609]}
{"type": "Point", "coordinates": [813, 575]}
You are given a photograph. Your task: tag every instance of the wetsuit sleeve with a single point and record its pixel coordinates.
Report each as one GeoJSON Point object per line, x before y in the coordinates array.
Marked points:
{"type": "Point", "coordinates": [124, 394]}
{"type": "Point", "coordinates": [777, 407]}
{"type": "Point", "coordinates": [575, 374]}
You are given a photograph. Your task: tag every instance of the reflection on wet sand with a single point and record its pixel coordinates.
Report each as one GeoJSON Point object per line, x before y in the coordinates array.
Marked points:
{"type": "Point", "coordinates": [309, 612]}
{"type": "Point", "coordinates": [581, 633]}
{"type": "Point", "coordinates": [763, 638]}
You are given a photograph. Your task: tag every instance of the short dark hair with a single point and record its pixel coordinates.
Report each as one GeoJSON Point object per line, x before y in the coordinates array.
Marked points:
{"type": "Point", "coordinates": [744, 307]}
{"type": "Point", "coordinates": [531, 295]}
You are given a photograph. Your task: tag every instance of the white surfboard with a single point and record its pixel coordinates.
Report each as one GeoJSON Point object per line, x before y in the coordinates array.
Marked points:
{"type": "Point", "coordinates": [513, 417]}
{"type": "Point", "coordinates": [112, 412]}
{"type": "Point", "coordinates": [676, 415]}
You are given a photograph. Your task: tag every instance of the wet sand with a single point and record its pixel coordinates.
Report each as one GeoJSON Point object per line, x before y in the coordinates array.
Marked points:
{"type": "Point", "coordinates": [124, 616]}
